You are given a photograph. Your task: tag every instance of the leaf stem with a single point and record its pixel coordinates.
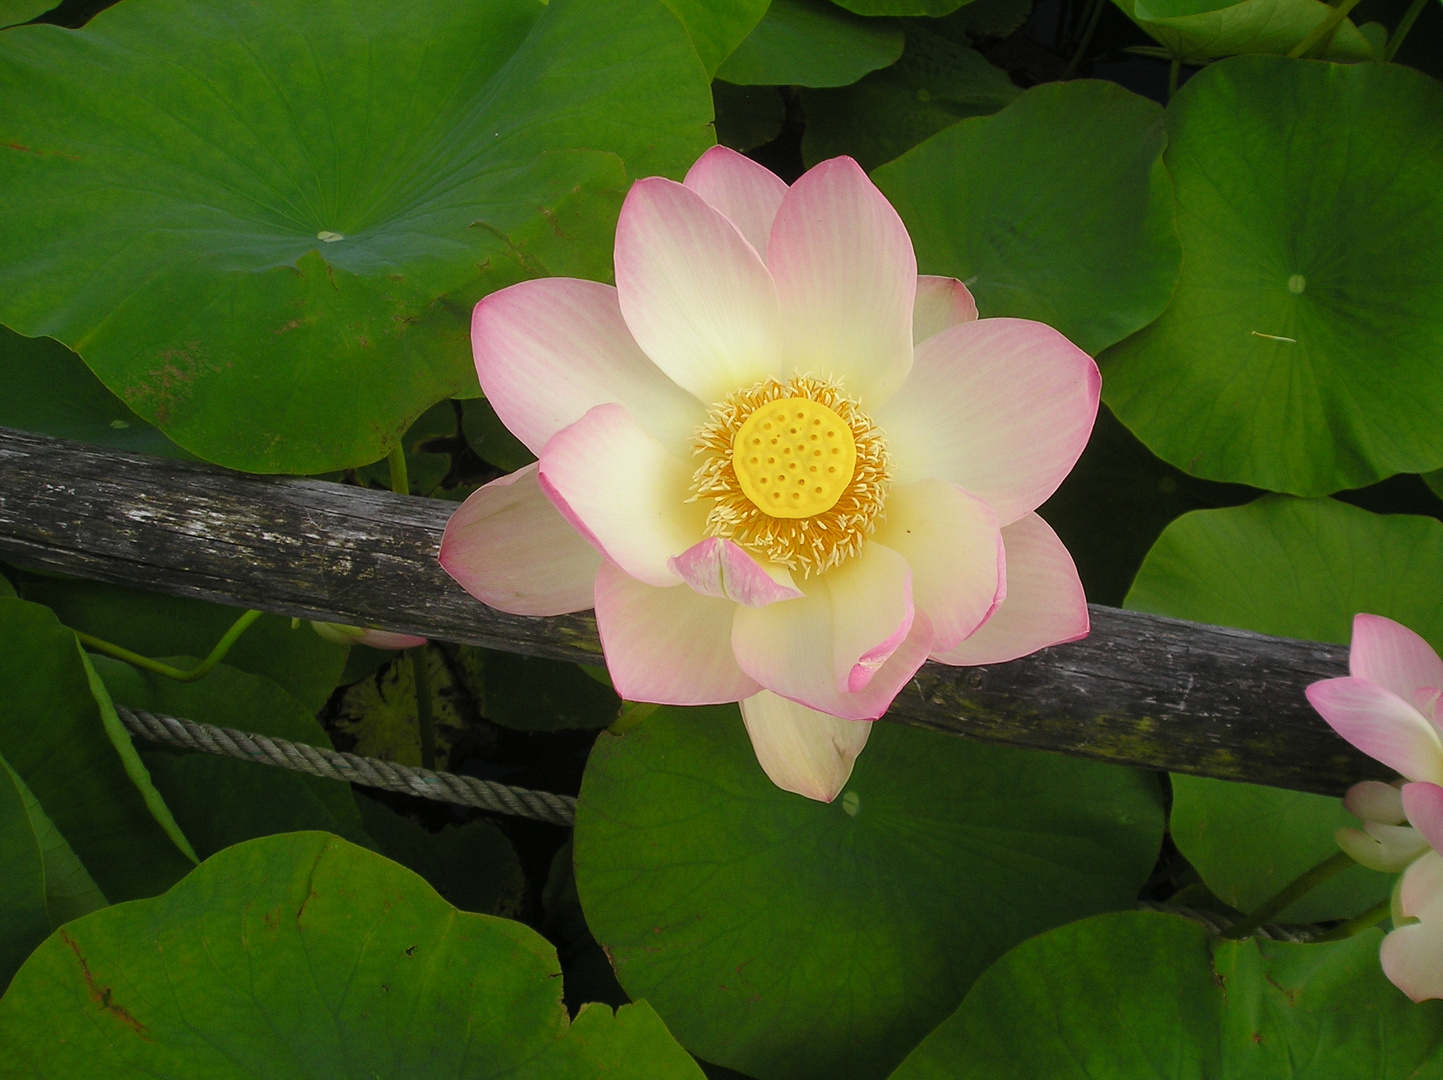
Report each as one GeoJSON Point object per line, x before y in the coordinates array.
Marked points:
{"type": "Point", "coordinates": [1092, 20]}
{"type": "Point", "coordinates": [421, 678]}
{"type": "Point", "coordinates": [1409, 18]}
{"type": "Point", "coordinates": [1358, 923]}
{"type": "Point", "coordinates": [1323, 29]}
{"type": "Point", "coordinates": [1173, 74]}
{"type": "Point", "coordinates": [90, 641]}
{"type": "Point", "coordinates": [1281, 900]}
{"type": "Point", "coordinates": [400, 482]}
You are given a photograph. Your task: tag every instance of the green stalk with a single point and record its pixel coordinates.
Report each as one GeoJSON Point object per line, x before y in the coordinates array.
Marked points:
{"type": "Point", "coordinates": [90, 641]}
{"type": "Point", "coordinates": [400, 482]}
{"type": "Point", "coordinates": [1174, 73]}
{"type": "Point", "coordinates": [1323, 29]}
{"type": "Point", "coordinates": [1358, 923]}
{"type": "Point", "coordinates": [421, 677]}
{"type": "Point", "coordinates": [1409, 18]}
{"type": "Point", "coordinates": [1092, 20]}
{"type": "Point", "coordinates": [1280, 901]}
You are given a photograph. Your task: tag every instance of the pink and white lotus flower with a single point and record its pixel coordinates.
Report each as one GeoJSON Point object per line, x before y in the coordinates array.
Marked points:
{"type": "Point", "coordinates": [783, 468]}
{"type": "Point", "coordinates": [1387, 708]}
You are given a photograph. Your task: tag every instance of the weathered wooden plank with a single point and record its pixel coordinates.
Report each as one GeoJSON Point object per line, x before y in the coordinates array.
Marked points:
{"type": "Point", "coordinates": [1140, 690]}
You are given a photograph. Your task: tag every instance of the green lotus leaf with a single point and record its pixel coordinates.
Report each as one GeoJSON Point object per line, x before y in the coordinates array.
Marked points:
{"type": "Point", "coordinates": [25, 922]}
{"type": "Point", "coordinates": [297, 659]}
{"type": "Point", "coordinates": [933, 8]}
{"type": "Point", "coordinates": [1298, 353]}
{"type": "Point", "coordinates": [302, 955]}
{"type": "Point", "coordinates": [264, 225]}
{"type": "Point", "coordinates": [14, 12]}
{"type": "Point", "coordinates": [1080, 163]}
{"type": "Point", "coordinates": [790, 939]}
{"type": "Point", "coordinates": [1299, 568]}
{"type": "Point", "coordinates": [936, 83]}
{"type": "Point", "coordinates": [811, 43]}
{"type": "Point", "coordinates": [1141, 995]}
{"type": "Point", "coordinates": [717, 27]}
{"type": "Point", "coordinates": [1206, 29]}
{"type": "Point", "coordinates": [70, 891]}
{"type": "Point", "coordinates": [53, 734]}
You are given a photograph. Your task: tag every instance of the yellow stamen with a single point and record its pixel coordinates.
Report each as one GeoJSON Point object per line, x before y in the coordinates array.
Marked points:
{"type": "Point", "coordinates": [818, 529]}
{"type": "Point", "coordinates": [794, 458]}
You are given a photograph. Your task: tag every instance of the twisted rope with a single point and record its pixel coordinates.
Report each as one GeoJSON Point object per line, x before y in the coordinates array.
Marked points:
{"type": "Point", "coordinates": [352, 768]}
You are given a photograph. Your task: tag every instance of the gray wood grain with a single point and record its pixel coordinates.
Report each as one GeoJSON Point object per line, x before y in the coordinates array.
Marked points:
{"type": "Point", "coordinates": [1140, 690]}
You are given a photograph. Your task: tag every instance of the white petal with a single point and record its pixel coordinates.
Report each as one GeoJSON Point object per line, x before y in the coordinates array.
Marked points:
{"type": "Point", "coordinates": [942, 302]}
{"type": "Point", "coordinates": [802, 750]}
{"type": "Point", "coordinates": [747, 193]}
{"type": "Point", "coordinates": [717, 567]}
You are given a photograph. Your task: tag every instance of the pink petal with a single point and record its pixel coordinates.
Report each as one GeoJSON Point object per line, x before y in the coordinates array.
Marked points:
{"type": "Point", "coordinates": [1394, 657]}
{"type": "Point", "coordinates": [1382, 725]}
{"type": "Point", "coordinates": [1423, 803]}
{"type": "Point", "coordinates": [1412, 956]}
{"type": "Point", "coordinates": [942, 302]}
{"type": "Point", "coordinates": [624, 492]}
{"type": "Point", "coordinates": [717, 567]}
{"type": "Point", "coordinates": [1000, 407]}
{"type": "Point", "coordinates": [549, 350]}
{"type": "Point", "coordinates": [789, 648]}
{"type": "Point", "coordinates": [951, 542]}
{"type": "Point", "coordinates": [1044, 605]}
{"type": "Point", "coordinates": [671, 645]}
{"type": "Point", "coordinates": [343, 634]}
{"type": "Point", "coordinates": [1373, 800]}
{"type": "Point", "coordinates": [847, 278]}
{"type": "Point", "coordinates": [509, 547]}
{"type": "Point", "coordinates": [696, 296]}
{"type": "Point", "coordinates": [872, 613]}
{"type": "Point", "coordinates": [802, 750]}
{"type": "Point", "coordinates": [747, 193]}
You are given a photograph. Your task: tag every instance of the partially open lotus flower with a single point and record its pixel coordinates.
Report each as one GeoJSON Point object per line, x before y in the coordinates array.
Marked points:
{"type": "Point", "coordinates": [343, 634]}
{"type": "Point", "coordinates": [783, 468]}
{"type": "Point", "coordinates": [1387, 708]}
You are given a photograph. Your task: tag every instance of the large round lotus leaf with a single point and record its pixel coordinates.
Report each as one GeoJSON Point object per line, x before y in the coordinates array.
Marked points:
{"type": "Point", "coordinates": [811, 43]}
{"type": "Point", "coordinates": [303, 956]}
{"type": "Point", "coordinates": [1057, 208]}
{"type": "Point", "coordinates": [1141, 996]}
{"type": "Point", "coordinates": [13, 12]}
{"type": "Point", "coordinates": [1204, 29]}
{"type": "Point", "coordinates": [716, 29]}
{"type": "Point", "coordinates": [1298, 568]}
{"type": "Point", "coordinates": [1300, 351]}
{"type": "Point", "coordinates": [790, 939]}
{"type": "Point", "coordinates": [264, 225]}
{"type": "Point", "coordinates": [901, 7]}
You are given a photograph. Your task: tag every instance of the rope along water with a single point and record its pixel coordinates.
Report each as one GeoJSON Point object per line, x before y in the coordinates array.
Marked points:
{"type": "Point", "coordinates": [352, 768]}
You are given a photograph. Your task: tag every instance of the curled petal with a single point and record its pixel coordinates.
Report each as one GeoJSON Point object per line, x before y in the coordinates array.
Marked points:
{"type": "Point", "coordinates": [1044, 605]}
{"type": "Point", "coordinates": [1382, 725]}
{"type": "Point", "coordinates": [509, 547]}
{"type": "Point", "coordinates": [1385, 848]}
{"type": "Point", "coordinates": [846, 279]}
{"type": "Point", "coordinates": [697, 298]}
{"type": "Point", "coordinates": [872, 613]}
{"type": "Point", "coordinates": [789, 649]}
{"type": "Point", "coordinates": [951, 542]}
{"type": "Point", "coordinates": [748, 194]}
{"type": "Point", "coordinates": [942, 302]}
{"type": "Point", "coordinates": [547, 351]}
{"type": "Point", "coordinates": [670, 645]}
{"type": "Point", "coordinates": [1000, 407]}
{"type": "Point", "coordinates": [1389, 654]}
{"type": "Point", "coordinates": [624, 491]}
{"type": "Point", "coordinates": [717, 567]}
{"type": "Point", "coordinates": [1373, 800]}
{"type": "Point", "coordinates": [1412, 955]}
{"type": "Point", "coordinates": [802, 750]}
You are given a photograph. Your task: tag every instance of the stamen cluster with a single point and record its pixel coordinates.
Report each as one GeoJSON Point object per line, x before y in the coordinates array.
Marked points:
{"type": "Point", "coordinates": [809, 545]}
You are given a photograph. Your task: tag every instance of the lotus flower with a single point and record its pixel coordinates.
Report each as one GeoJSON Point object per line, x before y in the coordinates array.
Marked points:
{"type": "Point", "coordinates": [343, 634]}
{"type": "Point", "coordinates": [1387, 708]}
{"type": "Point", "coordinates": [783, 468]}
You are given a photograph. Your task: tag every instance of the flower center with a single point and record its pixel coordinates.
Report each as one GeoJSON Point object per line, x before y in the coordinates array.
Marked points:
{"type": "Point", "coordinates": [794, 458]}
{"type": "Point", "coordinates": [796, 472]}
